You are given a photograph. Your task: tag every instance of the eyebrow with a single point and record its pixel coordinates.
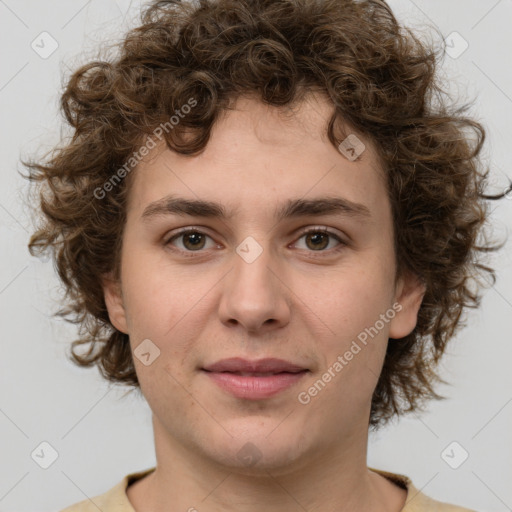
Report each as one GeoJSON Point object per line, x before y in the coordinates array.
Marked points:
{"type": "Point", "coordinates": [171, 205]}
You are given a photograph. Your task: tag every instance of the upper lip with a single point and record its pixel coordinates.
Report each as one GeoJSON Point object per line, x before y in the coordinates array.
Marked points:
{"type": "Point", "coordinates": [267, 365]}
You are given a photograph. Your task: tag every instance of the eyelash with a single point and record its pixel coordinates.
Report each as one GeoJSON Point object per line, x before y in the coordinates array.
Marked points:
{"type": "Point", "coordinates": [316, 230]}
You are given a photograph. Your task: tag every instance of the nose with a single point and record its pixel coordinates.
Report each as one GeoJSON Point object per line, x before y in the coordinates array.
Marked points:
{"type": "Point", "coordinates": [254, 295]}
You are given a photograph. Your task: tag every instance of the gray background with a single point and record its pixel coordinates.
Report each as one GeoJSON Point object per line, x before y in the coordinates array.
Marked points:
{"type": "Point", "coordinates": [100, 434]}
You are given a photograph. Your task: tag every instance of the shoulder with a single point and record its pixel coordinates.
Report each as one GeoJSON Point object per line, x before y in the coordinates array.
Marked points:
{"type": "Point", "coordinates": [110, 501]}
{"type": "Point", "coordinates": [416, 500]}
{"type": "Point", "coordinates": [114, 500]}
{"type": "Point", "coordinates": [419, 502]}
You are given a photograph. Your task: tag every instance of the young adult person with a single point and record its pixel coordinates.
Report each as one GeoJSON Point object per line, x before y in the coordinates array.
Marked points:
{"type": "Point", "coordinates": [266, 220]}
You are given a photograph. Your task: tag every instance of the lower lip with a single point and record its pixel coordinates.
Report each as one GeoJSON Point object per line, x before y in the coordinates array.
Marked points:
{"type": "Point", "coordinates": [255, 388]}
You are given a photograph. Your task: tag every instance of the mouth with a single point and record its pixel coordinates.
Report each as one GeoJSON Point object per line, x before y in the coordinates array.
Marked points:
{"type": "Point", "coordinates": [259, 374]}
{"type": "Point", "coordinates": [254, 380]}
{"type": "Point", "coordinates": [261, 366]}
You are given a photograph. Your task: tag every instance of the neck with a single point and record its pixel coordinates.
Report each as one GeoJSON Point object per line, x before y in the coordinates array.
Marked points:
{"type": "Point", "coordinates": [334, 478]}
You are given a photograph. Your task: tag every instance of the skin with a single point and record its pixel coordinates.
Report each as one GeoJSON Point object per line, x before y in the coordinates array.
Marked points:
{"type": "Point", "coordinates": [297, 301]}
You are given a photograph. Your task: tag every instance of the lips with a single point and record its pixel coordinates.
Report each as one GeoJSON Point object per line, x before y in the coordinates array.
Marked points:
{"type": "Point", "coordinates": [261, 367]}
{"type": "Point", "coordinates": [254, 380]}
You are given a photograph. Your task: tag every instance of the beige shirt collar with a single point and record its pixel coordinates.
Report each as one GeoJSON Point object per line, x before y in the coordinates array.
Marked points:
{"type": "Point", "coordinates": [116, 500]}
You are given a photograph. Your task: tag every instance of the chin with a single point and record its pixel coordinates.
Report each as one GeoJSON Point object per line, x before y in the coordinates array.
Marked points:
{"type": "Point", "coordinates": [257, 449]}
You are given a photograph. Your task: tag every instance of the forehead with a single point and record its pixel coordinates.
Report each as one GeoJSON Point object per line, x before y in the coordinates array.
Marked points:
{"type": "Point", "coordinates": [259, 153]}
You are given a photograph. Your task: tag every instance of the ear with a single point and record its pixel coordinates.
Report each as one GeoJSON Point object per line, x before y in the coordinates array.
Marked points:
{"type": "Point", "coordinates": [409, 294]}
{"type": "Point", "coordinates": [114, 302]}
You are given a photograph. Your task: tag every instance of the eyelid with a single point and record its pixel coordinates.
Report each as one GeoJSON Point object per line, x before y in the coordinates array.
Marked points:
{"type": "Point", "coordinates": [180, 231]}
{"type": "Point", "coordinates": [187, 229]}
{"type": "Point", "coordinates": [321, 229]}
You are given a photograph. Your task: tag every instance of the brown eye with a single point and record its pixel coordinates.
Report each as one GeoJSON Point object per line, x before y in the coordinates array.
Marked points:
{"type": "Point", "coordinates": [192, 240]}
{"type": "Point", "coordinates": [318, 240]}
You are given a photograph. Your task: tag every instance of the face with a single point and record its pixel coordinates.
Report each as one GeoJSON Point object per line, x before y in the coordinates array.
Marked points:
{"type": "Point", "coordinates": [200, 288]}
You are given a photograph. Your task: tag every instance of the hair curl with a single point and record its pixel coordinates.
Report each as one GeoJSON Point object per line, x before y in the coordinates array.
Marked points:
{"type": "Point", "coordinates": [382, 81]}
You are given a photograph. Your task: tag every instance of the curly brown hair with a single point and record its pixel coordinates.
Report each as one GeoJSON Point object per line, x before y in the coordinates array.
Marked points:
{"type": "Point", "coordinates": [382, 81]}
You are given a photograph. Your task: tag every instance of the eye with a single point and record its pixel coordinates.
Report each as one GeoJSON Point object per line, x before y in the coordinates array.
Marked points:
{"type": "Point", "coordinates": [317, 239]}
{"type": "Point", "coordinates": [193, 240]}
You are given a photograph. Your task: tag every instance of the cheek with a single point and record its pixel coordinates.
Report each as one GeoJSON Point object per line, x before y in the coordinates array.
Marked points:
{"type": "Point", "coordinates": [351, 298]}
{"type": "Point", "coordinates": [350, 303]}
{"type": "Point", "coordinates": [166, 306]}
{"type": "Point", "coordinates": [156, 295]}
